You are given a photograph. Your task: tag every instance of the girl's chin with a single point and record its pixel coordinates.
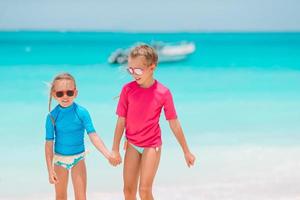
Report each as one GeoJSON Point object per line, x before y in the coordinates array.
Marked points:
{"type": "Point", "coordinates": [65, 104]}
{"type": "Point", "coordinates": [139, 81]}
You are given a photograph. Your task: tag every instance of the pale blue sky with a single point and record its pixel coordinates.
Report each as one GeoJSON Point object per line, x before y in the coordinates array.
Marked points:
{"type": "Point", "coordinates": [155, 15]}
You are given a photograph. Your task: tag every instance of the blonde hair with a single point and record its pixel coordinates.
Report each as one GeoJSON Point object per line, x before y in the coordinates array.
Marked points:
{"type": "Point", "coordinates": [145, 51]}
{"type": "Point", "coordinates": [62, 76]}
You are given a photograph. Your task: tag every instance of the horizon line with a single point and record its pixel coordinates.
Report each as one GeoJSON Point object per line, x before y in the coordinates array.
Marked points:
{"type": "Point", "coordinates": [147, 32]}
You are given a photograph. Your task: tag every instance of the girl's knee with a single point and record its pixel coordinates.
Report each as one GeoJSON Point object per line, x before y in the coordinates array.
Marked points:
{"type": "Point", "coordinates": [80, 193]}
{"type": "Point", "coordinates": [145, 192]}
{"type": "Point", "coordinates": [129, 191]}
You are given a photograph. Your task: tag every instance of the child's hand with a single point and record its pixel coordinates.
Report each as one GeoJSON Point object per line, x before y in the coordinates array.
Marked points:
{"type": "Point", "coordinates": [189, 158]}
{"type": "Point", "coordinates": [111, 159]}
{"type": "Point", "coordinates": [115, 159]}
{"type": "Point", "coordinates": [53, 177]}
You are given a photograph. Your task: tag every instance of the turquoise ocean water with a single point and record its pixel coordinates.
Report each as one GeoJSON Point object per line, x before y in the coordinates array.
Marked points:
{"type": "Point", "coordinates": [237, 90]}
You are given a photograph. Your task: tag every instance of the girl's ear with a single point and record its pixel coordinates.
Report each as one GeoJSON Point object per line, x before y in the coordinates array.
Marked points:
{"type": "Point", "coordinates": [53, 94]}
{"type": "Point", "coordinates": [76, 93]}
{"type": "Point", "coordinates": [152, 67]}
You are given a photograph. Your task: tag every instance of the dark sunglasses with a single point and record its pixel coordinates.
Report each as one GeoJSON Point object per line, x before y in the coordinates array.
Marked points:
{"type": "Point", "coordinates": [69, 93]}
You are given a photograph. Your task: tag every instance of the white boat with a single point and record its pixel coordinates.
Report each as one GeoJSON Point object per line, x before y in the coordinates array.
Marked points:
{"type": "Point", "coordinates": [175, 49]}
{"type": "Point", "coordinates": [167, 52]}
{"type": "Point", "coordinates": [163, 58]}
{"type": "Point", "coordinates": [118, 56]}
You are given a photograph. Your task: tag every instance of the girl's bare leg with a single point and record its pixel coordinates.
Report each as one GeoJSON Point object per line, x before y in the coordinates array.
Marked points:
{"type": "Point", "coordinates": [131, 172]}
{"type": "Point", "coordinates": [149, 165]}
{"type": "Point", "coordinates": [62, 185]}
{"type": "Point", "coordinates": [79, 180]}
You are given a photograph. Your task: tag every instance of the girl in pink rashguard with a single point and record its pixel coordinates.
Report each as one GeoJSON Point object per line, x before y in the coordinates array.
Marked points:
{"type": "Point", "coordinates": [139, 108]}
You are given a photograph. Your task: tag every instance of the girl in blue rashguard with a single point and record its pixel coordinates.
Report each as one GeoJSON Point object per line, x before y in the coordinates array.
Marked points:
{"type": "Point", "coordinates": [65, 128]}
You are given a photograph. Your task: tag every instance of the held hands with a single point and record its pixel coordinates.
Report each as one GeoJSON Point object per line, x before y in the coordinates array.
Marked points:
{"type": "Point", "coordinates": [115, 158]}
{"type": "Point", "coordinates": [189, 158]}
{"type": "Point", "coordinates": [53, 177]}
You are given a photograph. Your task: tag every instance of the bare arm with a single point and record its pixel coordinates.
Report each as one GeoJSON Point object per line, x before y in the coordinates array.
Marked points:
{"type": "Point", "coordinates": [49, 154]}
{"type": "Point", "coordinates": [178, 132]}
{"type": "Point", "coordinates": [49, 160]}
{"type": "Point", "coordinates": [98, 143]}
{"type": "Point", "coordinates": [120, 126]}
